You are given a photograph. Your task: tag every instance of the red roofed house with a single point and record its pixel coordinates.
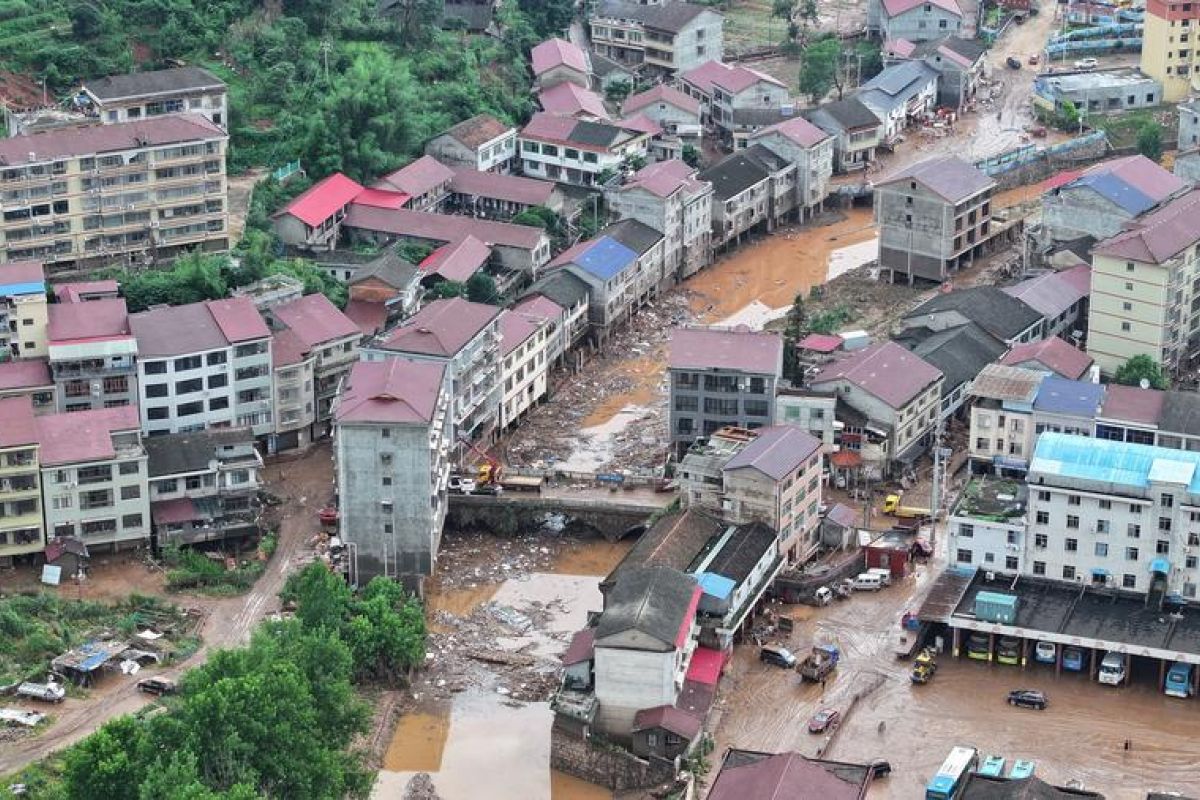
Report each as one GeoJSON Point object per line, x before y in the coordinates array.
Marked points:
{"type": "Point", "coordinates": [749, 775]}
{"type": "Point", "coordinates": [1050, 355]}
{"type": "Point", "coordinates": [94, 477]}
{"type": "Point", "coordinates": [678, 114]}
{"type": "Point", "coordinates": [737, 98]}
{"type": "Point", "coordinates": [888, 398]}
{"type": "Point", "coordinates": [92, 355]}
{"type": "Point", "coordinates": [1060, 297]}
{"type": "Point", "coordinates": [914, 20]}
{"type": "Point", "coordinates": [465, 336]}
{"type": "Point", "coordinates": [575, 151]}
{"type": "Point", "coordinates": [328, 334]}
{"type": "Point", "coordinates": [456, 261]}
{"type": "Point", "coordinates": [83, 291]}
{"type": "Point", "coordinates": [497, 196]}
{"type": "Point", "coordinates": [811, 149]}
{"type": "Point", "coordinates": [667, 196]}
{"type": "Point", "coordinates": [664, 731]}
{"type": "Point", "coordinates": [314, 218]}
{"type": "Point", "coordinates": [481, 143]}
{"type": "Point", "coordinates": [524, 347]}
{"type": "Point", "coordinates": [295, 407]}
{"type": "Point", "coordinates": [22, 528]}
{"type": "Point", "coordinates": [426, 181]}
{"type": "Point", "coordinates": [29, 377]}
{"type": "Point", "coordinates": [394, 431]}
{"type": "Point", "coordinates": [556, 61]}
{"type": "Point", "coordinates": [569, 100]}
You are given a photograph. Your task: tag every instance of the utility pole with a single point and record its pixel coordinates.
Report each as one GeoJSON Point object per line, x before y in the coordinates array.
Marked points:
{"type": "Point", "coordinates": [326, 46]}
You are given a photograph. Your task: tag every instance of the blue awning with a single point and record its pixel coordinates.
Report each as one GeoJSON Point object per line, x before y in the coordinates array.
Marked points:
{"type": "Point", "coordinates": [1160, 565]}
{"type": "Point", "coordinates": [1101, 571]}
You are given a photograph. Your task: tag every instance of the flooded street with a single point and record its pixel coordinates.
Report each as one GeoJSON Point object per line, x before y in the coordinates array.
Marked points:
{"type": "Point", "coordinates": [480, 730]}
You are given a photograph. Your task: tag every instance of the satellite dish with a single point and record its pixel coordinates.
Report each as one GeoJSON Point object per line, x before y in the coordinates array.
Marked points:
{"type": "Point", "coordinates": [1144, 383]}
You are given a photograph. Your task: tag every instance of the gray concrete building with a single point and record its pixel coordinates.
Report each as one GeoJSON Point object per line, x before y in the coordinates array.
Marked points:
{"type": "Point", "coordinates": [933, 218]}
{"type": "Point", "coordinates": [914, 20]}
{"type": "Point", "coordinates": [661, 39]}
{"type": "Point", "coordinates": [394, 429]}
{"type": "Point", "coordinates": [1187, 161]}
{"type": "Point", "coordinates": [721, 377]}
{"type": "Point", "coordinates": [855, 129]}
{"type": "Point", "coordinates": [810, 149]}
{"type": "Point", "coordinates": [669, 197]}
{"type": "Point", "coordinates": [1097, 92]}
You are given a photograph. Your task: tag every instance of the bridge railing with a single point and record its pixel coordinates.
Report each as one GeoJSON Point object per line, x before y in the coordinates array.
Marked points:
{"type": "Point", "coordinates": [628, 478]}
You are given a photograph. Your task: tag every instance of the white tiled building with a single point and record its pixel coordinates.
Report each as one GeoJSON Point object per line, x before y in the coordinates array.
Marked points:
{"type": "Point", "coordinates": [524, 347]}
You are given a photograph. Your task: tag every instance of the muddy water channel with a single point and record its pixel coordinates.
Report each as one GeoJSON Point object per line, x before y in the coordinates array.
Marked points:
{"type": "Point", "coordinates": [481, 741]}
{"type": "Point", "coordinates": [1079, 737]}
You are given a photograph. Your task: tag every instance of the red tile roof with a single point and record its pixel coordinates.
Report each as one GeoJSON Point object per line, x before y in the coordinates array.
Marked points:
{"type": "Point", "coordinates": [582, 647]}
{"type": "Point", "coordinates": [569, 99]}
{"type": "Point", "coordinates": [796, 129]}
{"type": "Point", "coordinates": [287, 349]}
{"type": "Point", "coordinates": [322, 200]}
{"type": "Point", "coordinates": [662, 93]}
{"type": "Point", "coordinates": [899, 47]}
{"type": "Point", "coordinates": [382, 198]}
{"type": "Point", "coordinates": [238, 319]}
{"type": "Point", "coordinates": [1132, 404]}
{"type": "Point", "coordinates": [315, 320]}
{"type": "Point", "coordinates": [820, 342]}
{"type": "Point", "coordinates": [176, 330]}
{"type": "Point", "coordinates": [702, 77]}
{"type": "Point", "coordinates": [1160, 234]}
{"type": "Point", "coordinates": [669, 718]}
{"type": "Point", "coordinates": [713, 348]}
{"type": "Point", "coordinates": [370, 317]}
{"type": "Point", "coordinates": [948, 176]}
{"type": "Point", "coordinates": [417, 178]}
{"type": "Point", "coordinates": [83, 435]}
{"type": "Point", "coordinates": [478, 130]}
{"type": "Point", "coordinates": [76, 292]}
{"type": "Point", "coordinates": [538, 305]}
{"type": "Point", "coordinates": [663, 178]}
{"type": "Point", "coordinates": [17, 424]}
{"type": "Point", "coordinates": [442, 328]}
{"type": "Point", "coordinates": [14, 272]}
{"type": "Point", "coordinates": [1054, 292]}
{"type": "Point", "coordinates": [782, 776]}
{"type": "Point", "coordinates": [394, 390]}
{"type": "Point", "coordinates": [1060, 179]}
{"type": "Point", "coordinates": [894, 8]}
{"type": "Point", "coordinates": [515, 330]}
{"type": "Point", "coordinates": [642, 124]}
{"type": "Point", "coordinates": [457, 261]}
{"type": "Point", "coordinates": [555, 53]}
{"type": "Point", "coordinates": [1055, 354]}
{"type": "Point", "coordinates": [735, 78]}
{"type": "Point", "coordinates": [443, 227]}
{"type": "Point", "coordinates": [84, 140]}
{"type": "Point", "coordinates": [776, 451]}
{"type": "Point", "coordinates": [25, 374]}
{"type": "Point", "coordinates": [97, 319]}
{"type": "Point", "coordinates": [514, 189]}
{"type": "Point", "coordinates": [885, 370]}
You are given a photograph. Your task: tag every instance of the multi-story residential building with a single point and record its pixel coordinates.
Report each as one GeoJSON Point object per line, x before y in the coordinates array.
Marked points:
{"type": "Point", "coordinates": [1143, 286]}
{"type": "Point", "coordinates": [150, 189]}
{"type": "Point", "coordinates": [1189, 125]}
{"type": "Point", "coordinates": [481, 143]}
{"type": "Point", "coordinates": [669, 197]}
{"type": "Point", "coordinates": [497, 196]}
{"type": "Point", "coordinates": [997, 312]}
{"type": "Point", "coordinates": [144, 95]}
{"type": "Point", "coordinates": [524, 347]}
{"type": "Point", "coordinates": [959, 353]}
{"type": "Point", "coordinates": [987, 526]}
{"type": "Point", "coordinates": [884, 389]}
{"type": "Point", "coordinates": [29, 378]}
{"type": "Point", "coordinates": [914, 20]}
{"type": "Point", "coordinates": [394, 429]}
{"type": "Point", "coordinates": [552, 317]}
{"type": "Point", "coordinates": [293, 364]}
{"type": "Point", "coordinates": [772, 475]}
{"type": "Point", "coordinates": [855, 129]}
{"type": "Point", "coordinates": [751, 188]}
{"type": "Point", "coordinates": [899, 96]}
{"type": "Point", "coordinates": [94, 477]}
{"type": "Point", "coordinates": [571, 294]}
{"type": "Point", "coordinates": [811, 150]}
{"type": "Point", "coordinates": [426, 181]}
{"type": "Point", "coordinates": [1167, 55]}
{"type": "Point", "coordinates": [1064, 406]}
{"type": "Point", "coordinates": [313, 219]}
{"type": "Point", "coordinates": [203, 486]}
{"type": "Point", "coordinates": [1104, 198]}
{"type": "Point", "coordinates": [815, 412]}
{"type": "Point", "coordinates": [933, 218]}
{"type": "Point", "coordinates": [721, 377]}
{"type": "Point", "coordinates": [663, 38]}
{"type": "Point", "coordinates": [466, 337]}
{"type": "Point", "coordinates": [575, 151]}
{"type": "Point", "coordinates": [23, 315]}
{"type": "Point", "coordinates": [1060, 297]}
{"type": "Point", "coordinates": [569, 100]}
{"type": "Point", "coordinates": [959, 62]}
{"type": "Point", "coordinates": [203, 365]}
{"type": "Point", "coordinates": [735, 97]}
{"type": "Point", "coordinates": [1002, 428]}
{"type": "Point", "coordinates": [678, 114]}
{"type": "Point", "coordinates": [331, 337]}
{"type": "Point", "coordinates": [22, 528]}
{"type": "Point", "coordinates": [556, 61]}
{"type": "Point", "coordinates": [1114, 514]}
{"type": "Point", "coordinates": [92, 355]}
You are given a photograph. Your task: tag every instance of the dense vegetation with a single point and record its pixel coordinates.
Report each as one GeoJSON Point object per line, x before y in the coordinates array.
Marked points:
{"type": "Point", "coordinates": [273, 719]}
{"type": "Point", "coordinates": [334, 83]}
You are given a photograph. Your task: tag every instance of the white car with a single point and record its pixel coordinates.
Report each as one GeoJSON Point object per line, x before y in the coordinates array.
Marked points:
{"type": "Point", "coordinates": [461, 484]}
{"type": "Point", "coordinates": [1086, 63]}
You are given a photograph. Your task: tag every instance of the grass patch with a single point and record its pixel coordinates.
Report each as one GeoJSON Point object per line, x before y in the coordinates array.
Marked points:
{"type": "Point", "coordinates": [190, 570]}
{"type": "Point", "coordinates": [1122, 129]}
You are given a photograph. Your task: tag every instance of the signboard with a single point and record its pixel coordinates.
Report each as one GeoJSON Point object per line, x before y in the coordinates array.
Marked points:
{"type": "Point", "coordinates": [609, 477]}
{"type": "Point", "coordinates": [51, 575]}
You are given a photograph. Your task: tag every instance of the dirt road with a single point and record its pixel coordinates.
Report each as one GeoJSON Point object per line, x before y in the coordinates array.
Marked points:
{"type": "Point", "coordinates": [304, 485]}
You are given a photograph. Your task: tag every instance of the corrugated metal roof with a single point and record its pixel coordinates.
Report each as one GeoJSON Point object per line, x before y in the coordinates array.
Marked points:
{"type": "Point", "coordinates": [323, 199]}
{"type": "Point", "coordinates": [1120, 463]}
{"type": "Point", "coordinates": [605, 258]}
{"type": "Point", "coordinates": [1073, 398]}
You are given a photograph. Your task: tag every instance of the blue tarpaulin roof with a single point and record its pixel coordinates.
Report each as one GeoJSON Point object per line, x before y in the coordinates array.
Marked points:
{"type": "Point", "coordinates": [1121, 463]}
{"type": "Point", "coordinates": [27, 287]}
{"type": "Point", "coordinates": [717, 586]}
{"type": "Point", "coordinates": [1075, 398]}
{"type": "Point", "coordinates": [606, 257]}
{"type": "Point", "coordinates": [1117, 191]}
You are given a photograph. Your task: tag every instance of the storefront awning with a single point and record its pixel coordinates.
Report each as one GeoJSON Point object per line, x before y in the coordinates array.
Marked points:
{"type": "Point", "coordinates": [1160, 565]}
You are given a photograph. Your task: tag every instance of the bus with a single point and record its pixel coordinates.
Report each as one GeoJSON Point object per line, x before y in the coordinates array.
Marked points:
{"type": "Point", "coordinates": [955, 771]}
{"type": "Point", "coordinates": [1179, 680]}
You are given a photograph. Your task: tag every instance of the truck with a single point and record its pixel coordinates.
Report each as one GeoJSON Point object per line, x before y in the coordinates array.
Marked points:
{"type": "Point", "coordinates": [893, 504]}
{"type": "Point", "coordinates": [819, 663]}
{"type": "Point", "coordinates": [49, 692]}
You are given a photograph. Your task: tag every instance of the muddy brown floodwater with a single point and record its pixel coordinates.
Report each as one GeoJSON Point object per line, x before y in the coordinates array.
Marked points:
{"type": "Point", "coordinates": [1079, 737]}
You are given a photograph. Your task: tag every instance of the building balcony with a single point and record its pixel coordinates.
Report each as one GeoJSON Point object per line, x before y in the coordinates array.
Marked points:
{"type": "Point", "coordinates": [19, 521]}
{"type": "Point", "coordinates": [74, 370]}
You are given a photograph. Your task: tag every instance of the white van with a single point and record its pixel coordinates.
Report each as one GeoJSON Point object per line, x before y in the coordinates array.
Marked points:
{"type": "Point", "coordinates": [1112, 669]}
{"type": "Point", "coordinates": [885, 575]}
{"type": "Point", "coordinates": [867, 582]}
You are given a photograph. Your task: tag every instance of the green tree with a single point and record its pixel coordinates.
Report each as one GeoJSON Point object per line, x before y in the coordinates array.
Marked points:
{"type": "Point", "coordinates": [548, 17]}
{"type": "Point", "coordinates": [481, 288]}
{"type": "Point", "coordinates": [617, 91]}
{"type": "Point", "coordinates": [691, 156]}
{"type": "Point", "coordinates": [322, 598]}
{"type": "Point", "coordinates": [783, 9]}
{"type": "Point", "coordinates": [819, 68]}
{"type": "Point", "coordinates": [1149, 141]}
{"type": "Point", "coordinates": [87, 21]}
{"type": "Point", "coordinates": [1139, 368]}
{"type": "Point", "coordinates": [1068, 116]}
{"type": "Point", "coordinates": [793, 332]}
{"type": "Point", "coordinates": [443, 290]}
{"type": "Point", "coordinates": [387, 632]}
{"type": "Point", "coordinates": [107, 764]}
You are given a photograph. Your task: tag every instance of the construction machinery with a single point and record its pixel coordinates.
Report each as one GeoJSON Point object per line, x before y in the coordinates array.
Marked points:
{"type": "Point", "coordinates": [819, 663]}
{"type": "Point", "coordinates": [487, 469]}
{"type": "Point", "coordinates": [893, 504]}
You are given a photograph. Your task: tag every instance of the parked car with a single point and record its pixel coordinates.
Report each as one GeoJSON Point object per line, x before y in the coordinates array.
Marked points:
{"type": "Point", "coordinates": [1034, 59]}
{"type": "Point", "coordinates": [1086, 63]}
{"type": "Point", "coordinates": [461, 485]}
{"type": "Point", "coordinates": [157, 685]}
{"type": "Point", "coordinates": [779, 656]}
{"type": "Point", "coordinates": [824, 720]}
{"type": "Point", "coordinates": [1045, 652]}
{"type": "Point", "coordinates": [1028, 698]}
{"type": "Point", "coordinates": [1013, 63]}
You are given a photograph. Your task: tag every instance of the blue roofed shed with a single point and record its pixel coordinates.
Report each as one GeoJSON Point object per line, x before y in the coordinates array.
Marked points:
{"type": "Point", "coordinates": [1120, 464]}
{"type": "Point", "coordinates": [717, 592]}
{"type": "Point", "coordinates": [1069, 398]}
{"type": "Point", "coordinates": [606, 258]}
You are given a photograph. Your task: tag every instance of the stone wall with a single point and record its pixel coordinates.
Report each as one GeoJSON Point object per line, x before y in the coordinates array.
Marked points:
{"type": "Point", "coordinates": [606, 765]}
{"type": "Point", "coordinates": [1051, 161]}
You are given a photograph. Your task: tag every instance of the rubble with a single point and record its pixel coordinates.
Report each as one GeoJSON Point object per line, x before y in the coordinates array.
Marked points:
{"type": "Point", "coordinates": [420, 787]}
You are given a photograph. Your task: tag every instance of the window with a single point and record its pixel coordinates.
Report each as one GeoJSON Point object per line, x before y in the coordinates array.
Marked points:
{"type": "Point", "coordinates": [86, 475]}
{"type": "Point", "coordinates": [1128, 581]}
{"type": "Point", "coordinates": [1068, 573]}
{"type": "Point", "coordinates": [154, 367]}
{"type": "Point", "coordinates": [190, 362]}
{"type": "Point", "coordinates": [1164, 524]}
{"type": "Point", "coordinates": [1043, 518]}
{"type": "Point", "coordinates": [218, 404]}
{"type": "Point", "coordinates": [1073, 500]}
{"type": "Point", "coordinates": [1133, 530]}
{"type": "Point", "coordinates": [1010, 563]}
{"type": "Point", "coordinates": [1162, 547]}
{"type": "Point", "coordinates": [757, 408]}
{"type": "Point", "coordinates": [157, 390]}
{"type": "Point", "coordinates": [687, 403]}
{"type": "Point", "coordinates": [189, 386]}
{"type": "Point", "coordinates": [99, 527]}
{"type": "Point", "coordinates": [1190, 562]}
{"type": "Point", "coordinates": [1072, 521]}
{"type": "Point", "coordinates": [963, 556]}
{"type": "Point", "coordinates": [1135, 509]}
{"type": "Point", "coordinates": [386, 433]}
{"type": "Point", "coordinates": [193, 482]}
{"type": "Point", "coordinates": [1044, 497]}
{"type": "Point", "coordinates": [1166, 500]}
{"type": "Point", "coordinates": [1039, 568]}
{"type": "Point", "coordinates": [1071, 545]}
{"type": "Point", "coordinates": [1131, 554]}
{"type": "Point", "coordinates": [1102, 549]}
{"type": "Point", "coordinates": [191, 409]}
{"type": "Point", "coordinates": [131, 521]}
{"type": "Point", "coordinates": [1126, 327]}
{"type": "Point", "coordinates": [131, 492]}
{"type": "Point", "coordinates": [218, 380]}
{"type": "Point", "coordinates": [214, 358]}
{"type": "Point", "coordinates": [387, 480]}
{"type": "Point", "coordinates": [1101, 526]}
{"type": "Point", "coordinates": [1106, 504]}
{"type": "Point", "coordinates": [966, 531]}
{"type": "Point", "coordinates": [1040, 541]}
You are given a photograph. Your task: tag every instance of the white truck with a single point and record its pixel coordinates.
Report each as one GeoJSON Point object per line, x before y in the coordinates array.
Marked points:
{"type": "Point", "coordinates": [49, 692]}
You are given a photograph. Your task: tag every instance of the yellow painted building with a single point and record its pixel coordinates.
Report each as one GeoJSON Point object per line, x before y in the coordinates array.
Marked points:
{"type": "Point", "coordinates": [1171, 46]}
{"type": "Point", "coordinates": [22, 530]}
{"type": "Point", "coordinates": [23, 315]}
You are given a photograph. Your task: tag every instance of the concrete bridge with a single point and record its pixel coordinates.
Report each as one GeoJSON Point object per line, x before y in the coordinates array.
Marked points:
{"type": "Point", "coordinates": [612, 517]}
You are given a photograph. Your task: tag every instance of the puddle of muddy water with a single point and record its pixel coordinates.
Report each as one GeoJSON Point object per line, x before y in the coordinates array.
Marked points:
{"type": "Point", "coordinates": [595, 557]}
{"type": "Point", "coordinates": [597, 442]}
{"type": "Point", "coordinates": [419, 741]}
